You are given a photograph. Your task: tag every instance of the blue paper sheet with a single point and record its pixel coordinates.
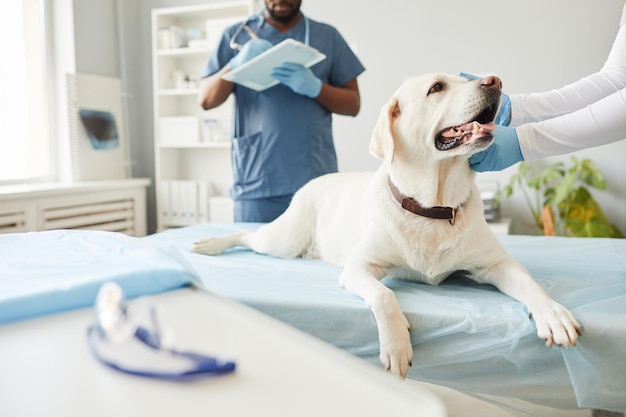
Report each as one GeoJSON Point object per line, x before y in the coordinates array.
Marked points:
{"type": "Point", "coordinates": [466, 336]}
{"type": "Point", "coordinates": [49, 272]}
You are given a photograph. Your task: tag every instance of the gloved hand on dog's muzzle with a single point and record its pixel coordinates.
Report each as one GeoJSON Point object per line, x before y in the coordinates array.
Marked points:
{"type": "Point", "coordinates": [503, 117]}
{"type": "Point", "coordinates": [503, 152]}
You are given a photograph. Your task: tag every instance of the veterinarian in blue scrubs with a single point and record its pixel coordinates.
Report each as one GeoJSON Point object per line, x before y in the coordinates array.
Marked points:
{"type": "Point", "coordinates": [589, 112]}
{"type": "Point", "coordinates": [282, 136]}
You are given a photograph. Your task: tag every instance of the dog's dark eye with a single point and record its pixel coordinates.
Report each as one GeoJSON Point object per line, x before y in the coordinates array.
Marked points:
{"type": "Point", "coordinates": [436, 88]}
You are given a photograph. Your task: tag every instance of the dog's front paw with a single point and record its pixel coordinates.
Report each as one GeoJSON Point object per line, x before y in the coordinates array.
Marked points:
{"type": "Point", "coordinates": [396, 351]}
{"type": "Point", "coordinates": [556, 324]}
{"type": "Point", "coordinates": [210, 246]}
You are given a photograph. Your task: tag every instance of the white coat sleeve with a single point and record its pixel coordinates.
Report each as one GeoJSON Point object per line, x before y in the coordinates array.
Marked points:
{"type": "Point", "coordinates": [587, 113]}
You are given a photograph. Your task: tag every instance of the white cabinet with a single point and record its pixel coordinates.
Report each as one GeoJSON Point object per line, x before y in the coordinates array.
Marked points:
{"type": "Point", "coordinates": [192, 146]}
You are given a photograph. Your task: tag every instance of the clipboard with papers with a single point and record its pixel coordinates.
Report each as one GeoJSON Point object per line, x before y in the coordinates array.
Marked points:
{"type": "Point", "coordinates": [257, 73]}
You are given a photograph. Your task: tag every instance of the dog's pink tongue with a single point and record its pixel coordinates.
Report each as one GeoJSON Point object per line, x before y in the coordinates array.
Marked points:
{"type": "Point", "coordinates": [473, 127]}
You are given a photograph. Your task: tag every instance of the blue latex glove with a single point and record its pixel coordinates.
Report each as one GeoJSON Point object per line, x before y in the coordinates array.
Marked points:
{"type": "Point", "coordinates": [503, 117]}
{"type": "Point", "coordinates": [251, 49]}
{"type": "Point", "coordinates": [503, 152]}
{"type": "Point", "coordinates": [300, 79]}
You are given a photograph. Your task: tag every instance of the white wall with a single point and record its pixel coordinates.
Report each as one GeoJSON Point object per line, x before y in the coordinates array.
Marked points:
{"type": "Point", "coordinates": [84, 40]}
{"type": "Point", "coordinates": [532, 45]}
{"type": "Point", "coordinates": [96, 41]}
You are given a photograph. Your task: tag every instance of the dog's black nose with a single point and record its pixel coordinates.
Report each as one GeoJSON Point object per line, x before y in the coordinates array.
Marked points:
{"type": "Point", "coordinates": [491, 82]}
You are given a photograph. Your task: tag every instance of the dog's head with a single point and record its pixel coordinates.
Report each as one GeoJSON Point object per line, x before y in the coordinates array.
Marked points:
{"type": "Point", "coordinates": [437, 116]}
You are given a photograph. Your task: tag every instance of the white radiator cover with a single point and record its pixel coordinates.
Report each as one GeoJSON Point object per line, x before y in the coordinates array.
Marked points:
{"type": "Point", "coordinates": [113, 215]}
{"type": "Point", "coordinates": [117, 206]}
{"type": "Point", "coordinates": [13, 221]}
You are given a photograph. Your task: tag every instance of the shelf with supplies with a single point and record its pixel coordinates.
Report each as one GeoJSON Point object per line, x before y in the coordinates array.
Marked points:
{"type": "Point", "coordinates": [193, 172]}
{"type": "Point", "coordinates": [489, 190]}
{"type": "Point", "coordinates": [186, 131]}
{"type": "Point", "coordinates": [188, 202]}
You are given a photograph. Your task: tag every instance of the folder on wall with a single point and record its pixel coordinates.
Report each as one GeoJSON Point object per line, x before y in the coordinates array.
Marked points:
{"type": "Point", "coordinates": [257, 73]}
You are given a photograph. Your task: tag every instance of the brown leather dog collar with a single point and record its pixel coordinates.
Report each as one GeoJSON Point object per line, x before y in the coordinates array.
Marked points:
{"type": "Point", "coordinates": [409, 204]}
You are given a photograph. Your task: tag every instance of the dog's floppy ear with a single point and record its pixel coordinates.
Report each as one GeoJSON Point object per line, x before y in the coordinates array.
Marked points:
{"type": "Point", "coordinates": [382, 143]}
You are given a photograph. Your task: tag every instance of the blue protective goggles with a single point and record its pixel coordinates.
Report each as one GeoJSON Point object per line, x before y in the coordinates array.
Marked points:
{"type": "Point", "coordinates": [129, 342]}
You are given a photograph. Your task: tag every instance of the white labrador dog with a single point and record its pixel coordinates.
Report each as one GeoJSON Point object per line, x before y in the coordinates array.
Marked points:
{"type": "Point", "coordinates": [420, 216]}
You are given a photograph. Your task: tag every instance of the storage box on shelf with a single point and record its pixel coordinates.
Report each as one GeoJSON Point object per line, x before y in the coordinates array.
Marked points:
{"type": "Point", "coordinates": [192, 146]}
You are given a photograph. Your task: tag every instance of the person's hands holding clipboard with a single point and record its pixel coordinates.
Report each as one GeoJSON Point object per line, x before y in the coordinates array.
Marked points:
{"type": "Point", "coordinates": [257, 72]}
{"type": "Point", "coordinates": [250, 50]}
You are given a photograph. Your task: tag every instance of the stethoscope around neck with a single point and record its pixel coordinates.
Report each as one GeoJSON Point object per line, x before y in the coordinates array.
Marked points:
{"type": "Point", "coordinates": [260, 21]}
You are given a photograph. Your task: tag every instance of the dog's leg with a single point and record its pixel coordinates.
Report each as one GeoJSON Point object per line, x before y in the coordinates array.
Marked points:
{"type": "Point", "coordinates": [270, 239]}
{"type": "Point", "coordinates": [288, 236]}
{"type": "Point", "coordinates": [218, 244]}
{"type": "Point", "coordinates": [555, 324]}
{"type": "Point", "coordinates": [363, 280]}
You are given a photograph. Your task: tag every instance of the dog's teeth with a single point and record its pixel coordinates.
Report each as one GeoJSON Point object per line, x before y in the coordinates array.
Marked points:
{"type": "Point", "coordinates": [450, 133]}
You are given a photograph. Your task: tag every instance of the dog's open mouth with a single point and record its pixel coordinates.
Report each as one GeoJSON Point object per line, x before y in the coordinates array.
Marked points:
{"type": "Point", "coordinates": [480, 127]}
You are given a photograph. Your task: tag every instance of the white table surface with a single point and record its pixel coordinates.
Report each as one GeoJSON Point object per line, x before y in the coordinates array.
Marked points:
{"type": "Point", "coordinates": [46, 369]}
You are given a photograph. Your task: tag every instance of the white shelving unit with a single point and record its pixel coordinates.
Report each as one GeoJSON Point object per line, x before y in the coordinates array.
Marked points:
{"type": "Point", "coordinates": [192, 146]}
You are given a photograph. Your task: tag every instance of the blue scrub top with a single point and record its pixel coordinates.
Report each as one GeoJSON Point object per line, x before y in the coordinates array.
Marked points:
{"type": "Point", "coordinates": [282, 139]}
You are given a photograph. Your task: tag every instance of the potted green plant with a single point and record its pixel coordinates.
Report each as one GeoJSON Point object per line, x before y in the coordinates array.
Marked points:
{"type": "Point", "coordinates": [559, 199]}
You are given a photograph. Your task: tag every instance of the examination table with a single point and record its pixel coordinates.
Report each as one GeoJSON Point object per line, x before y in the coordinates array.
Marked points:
{"type": "Point", "coordinates": [466, 336]}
